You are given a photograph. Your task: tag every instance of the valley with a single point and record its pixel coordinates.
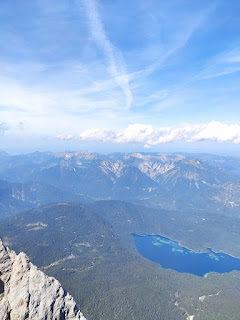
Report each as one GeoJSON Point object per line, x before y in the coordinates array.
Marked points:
{"type": "Point", "coordinates": [84, 238]}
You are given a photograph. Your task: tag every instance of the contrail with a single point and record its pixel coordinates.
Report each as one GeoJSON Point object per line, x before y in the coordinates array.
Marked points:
{"type": "Point", "coordinates": [116, 65]}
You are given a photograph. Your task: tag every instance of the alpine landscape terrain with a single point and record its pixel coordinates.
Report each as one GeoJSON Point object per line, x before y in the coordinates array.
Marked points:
{"type": "Point", "coordinates": [119, 160]}
{"type": "Point", "coordinates": [84, 237]}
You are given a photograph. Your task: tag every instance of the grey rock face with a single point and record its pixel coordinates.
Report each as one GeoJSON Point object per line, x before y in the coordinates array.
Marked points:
{"type": "Point", "coordinates": [27, 293]}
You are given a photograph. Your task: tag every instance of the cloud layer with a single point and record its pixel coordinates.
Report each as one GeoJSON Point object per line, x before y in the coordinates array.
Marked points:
{"type": "Point", "coordinates": [150, 136]}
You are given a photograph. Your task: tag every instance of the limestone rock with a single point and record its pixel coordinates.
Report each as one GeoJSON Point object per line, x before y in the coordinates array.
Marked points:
{"type": "Point", "coordinates": [27, 293]}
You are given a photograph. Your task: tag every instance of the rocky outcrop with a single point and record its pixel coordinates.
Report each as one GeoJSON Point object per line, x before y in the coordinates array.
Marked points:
{"type": "Point", "coordinates": [27, 293]}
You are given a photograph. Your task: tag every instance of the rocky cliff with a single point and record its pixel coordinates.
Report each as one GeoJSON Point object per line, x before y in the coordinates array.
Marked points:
{"type": "Point", "coordinates": [27, 293]}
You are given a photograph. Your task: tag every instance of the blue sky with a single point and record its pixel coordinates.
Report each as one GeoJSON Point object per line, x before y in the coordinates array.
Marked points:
{"type": "Point", "coordinates": [120, 75]}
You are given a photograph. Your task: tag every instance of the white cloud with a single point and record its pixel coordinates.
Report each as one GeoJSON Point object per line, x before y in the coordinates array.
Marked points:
{"type": "Point", "coordinates": [232, 56]}
{"type": "Point", "coordinates": [116, 65]}
{"type": "Point", "coordinates": [3, 127]}
{"type": "Point", "coordinates": [223, 64]}
{"type": "Point", "coordinates": [135, 133]}
{"type": "Point", "coordinates": [150, 136]}
{"type": "Point", "coordinates": [17, 96]}
{"type": "Point", "coordinates": [221, 73]}
{"type": "Point", "coordinates": [43, 100]}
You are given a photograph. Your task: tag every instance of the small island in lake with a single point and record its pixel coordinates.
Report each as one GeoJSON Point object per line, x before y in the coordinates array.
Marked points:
{"type": "Point", "coordinates": [170, 254]}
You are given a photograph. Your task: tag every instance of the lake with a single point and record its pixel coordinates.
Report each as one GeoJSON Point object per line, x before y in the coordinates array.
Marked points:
{"type": "Point", "coordinates": [170, 254]}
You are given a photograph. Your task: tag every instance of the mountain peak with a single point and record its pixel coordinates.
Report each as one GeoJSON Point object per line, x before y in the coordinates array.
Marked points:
{"type": "Point", "coordinates": [27, 293]}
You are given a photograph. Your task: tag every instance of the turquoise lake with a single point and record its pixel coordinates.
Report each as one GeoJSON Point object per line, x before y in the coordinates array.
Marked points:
{"type": "Point", "coordinates": [170, 254]}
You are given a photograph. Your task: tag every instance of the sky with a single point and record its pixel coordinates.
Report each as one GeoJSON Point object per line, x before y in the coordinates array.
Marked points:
{"type": "Point", "coordinates": [118, 75]}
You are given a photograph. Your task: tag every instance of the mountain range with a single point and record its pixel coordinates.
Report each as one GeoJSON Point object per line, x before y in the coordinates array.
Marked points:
{"type": "Point", "coordinates": [74, 214]}
{"type": "Point", "coordinates": [167, 181]}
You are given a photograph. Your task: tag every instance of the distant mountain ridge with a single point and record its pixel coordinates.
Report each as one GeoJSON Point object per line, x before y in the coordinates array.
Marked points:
{"type": "Point", "coordinates": [168, 181]}
{"type": "Point", "coordinates": [18, 197]}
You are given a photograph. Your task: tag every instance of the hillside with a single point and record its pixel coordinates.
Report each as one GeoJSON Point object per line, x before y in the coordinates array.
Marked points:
{"type": "Point", "coordinates": [92, 253]}
{"type": "Point", "coordinates": [79, 248]}
{"type": "Point", "coordinates": [18, 197]}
